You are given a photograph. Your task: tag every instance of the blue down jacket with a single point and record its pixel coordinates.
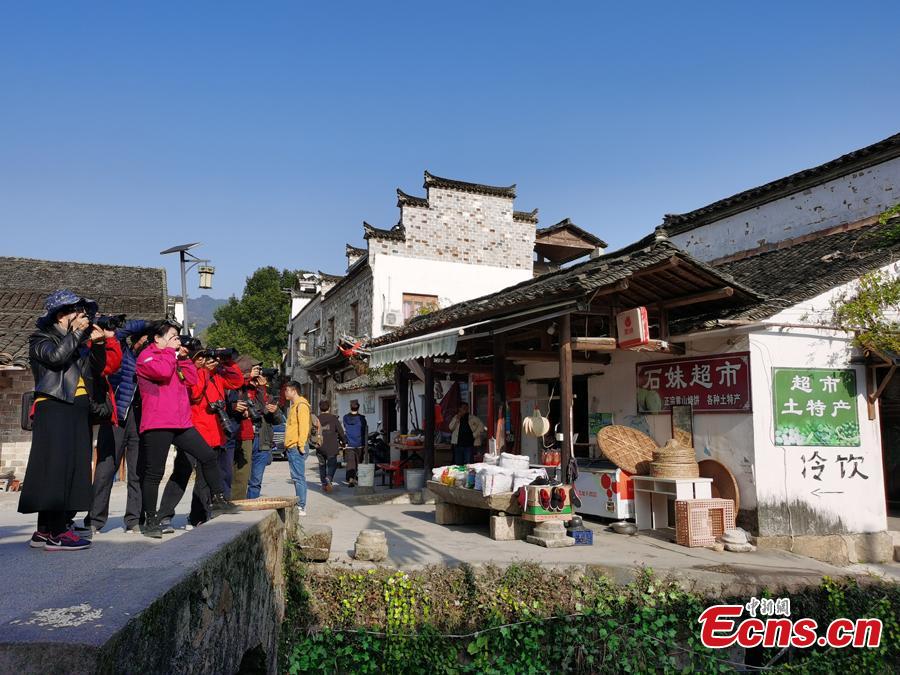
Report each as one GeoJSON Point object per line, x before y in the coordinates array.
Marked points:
{"type": "Point", "coordinates": [124, 381]}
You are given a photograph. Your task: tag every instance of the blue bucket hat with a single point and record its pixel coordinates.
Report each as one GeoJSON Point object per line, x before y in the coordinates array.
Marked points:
{"type": "Point", "coordinates": [62, 298]}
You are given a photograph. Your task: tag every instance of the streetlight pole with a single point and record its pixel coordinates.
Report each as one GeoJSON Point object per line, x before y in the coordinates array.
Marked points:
{"type": "Point", "coordinates": [186, 262]}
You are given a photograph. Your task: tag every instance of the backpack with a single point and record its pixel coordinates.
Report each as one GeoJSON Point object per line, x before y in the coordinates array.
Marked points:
{"type": "Point", "coordinates": [315, 433]}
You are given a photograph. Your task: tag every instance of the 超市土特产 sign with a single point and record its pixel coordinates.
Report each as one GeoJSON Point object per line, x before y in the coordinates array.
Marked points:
{"type": "Point", "coordinates": [815, 406]}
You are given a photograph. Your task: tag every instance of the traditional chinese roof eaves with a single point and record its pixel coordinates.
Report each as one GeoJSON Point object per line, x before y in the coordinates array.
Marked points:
{"type": "Point", "coordinates": [404, 199]}
{"type": "Point", "coordinates": [330, 278]}
{"type": "Point", "coordinates": [789, 276]}
{"type": "Point", "coordinates": [396, 233]}
{"type": "Point", "coordinates": [567, 224]}
{"type": "Point", "coordinates": [478, 188]}
{"type": "Point", "coordinates": [526, 216]}
{"type": "Point", "coordinates": [366, 381]}
{"type": "Point", "coordinates": [354, 251]}
{"type": "Point", "coordinates": [578, 281]}
{"type": "Point", "coordinates": [333, 360]}
{"type": "Point", "coordinates": [139, 292]}
{"type": "Point", "coordinates": [858, 160]}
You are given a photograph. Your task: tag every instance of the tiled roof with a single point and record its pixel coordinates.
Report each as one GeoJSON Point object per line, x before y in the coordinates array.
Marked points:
{"type": "Point", "coordinates": [794, 274]}
{"type": "Point", "coordinates": [567, 224]}
{"type": "Point", "coordinates": [883, 150]}
{"type": "Point", "coordinates": [139, 292]}
{"type": "Point", "coordinates": [477, 188]}
{"type": "Point", "coordinates": [404, 199]}
{"type": "Point", "coordinates": [398, 232]}
{"type": "Point", "coordinates": [526, 216]}
{"type": "Point", "coordinates": [574, 282]}
{"type": "Point", "coordinates": [354, 251]}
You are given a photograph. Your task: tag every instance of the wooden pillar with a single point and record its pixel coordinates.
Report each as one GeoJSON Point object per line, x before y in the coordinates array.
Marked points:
{"type": "Point", "coordinates": [401, 378]}
{"type": "Point", "coordinates": [499, 391]}
{"type": "Point", "coordinates": [429, 416]}
{"type": "Point", "coordinates": [565, 389]}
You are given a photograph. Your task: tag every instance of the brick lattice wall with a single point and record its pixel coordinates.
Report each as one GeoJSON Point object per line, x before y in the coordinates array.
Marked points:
{"type": "Point", "coordinates": [463, 227]}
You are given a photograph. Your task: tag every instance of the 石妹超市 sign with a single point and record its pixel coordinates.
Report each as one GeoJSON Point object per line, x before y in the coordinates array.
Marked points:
{"type": "Point", "coordinates": [815, 406]}
{"type": "Point", "coordinates": [719, 383]}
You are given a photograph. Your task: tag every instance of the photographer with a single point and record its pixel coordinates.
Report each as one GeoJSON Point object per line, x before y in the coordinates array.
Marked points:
{"type": "Point", "coordinates": [67, 377]}
{"type": "Point", "coordinates": [265, 439]}
{"type": "Point", "coordinates": [164, 378]}
{"type": "Point", "coordinates": [216, 374]}
{"type": "Point", "coordinates": [121, 437]}
{"type": "Point", "coordinates": [247, 411]}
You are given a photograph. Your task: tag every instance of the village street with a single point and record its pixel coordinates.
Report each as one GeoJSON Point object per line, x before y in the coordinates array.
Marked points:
{"type": "Point", "coordinates": [414, 541]}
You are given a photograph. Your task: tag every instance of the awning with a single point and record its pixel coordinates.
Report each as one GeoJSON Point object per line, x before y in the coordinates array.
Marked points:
{"type": "Point", "coordinates": [439, 343]}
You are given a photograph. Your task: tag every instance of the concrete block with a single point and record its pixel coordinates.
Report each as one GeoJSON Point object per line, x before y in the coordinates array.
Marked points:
{"type": "Point", "coordinates": [446, 513]}
{"type": "Point", "coordinates": [509, 528]}
{"type": "Point", "coordinates": [314, 542]}
{"type": "Point", "coordinates": [371, 545]}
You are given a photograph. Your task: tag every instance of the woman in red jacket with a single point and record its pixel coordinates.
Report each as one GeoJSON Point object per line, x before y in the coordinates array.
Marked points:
{"type": "Point", "coordinates": [164, 378]}
{"type": "Point", "coordinates": [215, 376]}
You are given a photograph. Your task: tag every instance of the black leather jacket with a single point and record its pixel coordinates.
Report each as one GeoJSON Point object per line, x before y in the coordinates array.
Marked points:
{"type": "Point", "coordinates": [58, 360]}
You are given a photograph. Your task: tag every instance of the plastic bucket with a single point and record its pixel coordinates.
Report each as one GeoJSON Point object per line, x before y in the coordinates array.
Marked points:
{"type": "Point", "coordinates": [415, 479]}
{"type": "Point", "coordinates": [365, 475]}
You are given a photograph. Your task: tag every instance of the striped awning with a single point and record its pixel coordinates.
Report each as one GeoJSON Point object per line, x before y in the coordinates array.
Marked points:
{"type": "Point", "coordinates": [440, 343]}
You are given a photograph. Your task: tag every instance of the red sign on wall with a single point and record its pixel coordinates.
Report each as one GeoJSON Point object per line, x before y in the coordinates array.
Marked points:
{"type": "Point", "coordinates": [718, 383]}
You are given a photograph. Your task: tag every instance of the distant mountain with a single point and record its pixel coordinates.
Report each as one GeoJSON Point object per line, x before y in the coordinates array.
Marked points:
{"type": "Point", "coordinates": [201, 310]}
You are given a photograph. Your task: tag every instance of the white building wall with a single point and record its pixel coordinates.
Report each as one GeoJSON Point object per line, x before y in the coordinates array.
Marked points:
{"type": "Point", "coordinates": [394, 275]}
{"type": "Point", "coordinates": [843, 200]}
{"type": "Point", "coordinates": [789, 503]}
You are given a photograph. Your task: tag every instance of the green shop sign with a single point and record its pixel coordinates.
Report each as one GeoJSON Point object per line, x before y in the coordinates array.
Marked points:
{"type": "Point", "coordinates": [815, 406]}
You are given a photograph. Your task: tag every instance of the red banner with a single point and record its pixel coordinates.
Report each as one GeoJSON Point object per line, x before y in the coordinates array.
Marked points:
{"type": "Point", "coordinates": [718, 383]}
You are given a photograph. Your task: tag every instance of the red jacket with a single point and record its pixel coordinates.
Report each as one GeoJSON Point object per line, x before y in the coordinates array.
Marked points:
{"type": "Point", "coordinates": [211, 386]}
{"type": "Point", "coordinates": [247, 431]}
{"type": "Point", "coordinates": [113, 362]}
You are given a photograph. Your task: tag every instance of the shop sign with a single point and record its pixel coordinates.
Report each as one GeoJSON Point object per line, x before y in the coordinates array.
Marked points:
{"type": "Point", "coordinates": [815, 406]}
{"type": "Point", "coordinates": [719, 383]}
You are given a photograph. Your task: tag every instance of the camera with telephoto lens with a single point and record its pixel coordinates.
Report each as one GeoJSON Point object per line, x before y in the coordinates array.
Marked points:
{"type": "Point", "coordinates": [190, 343]}
{"type": "Point", "coordinates": [219, 408]}
{"type": "Point", "coordinates": [110, 321]}
{"type": "Point", "coordinates": [268, 373]}
{"type": "Point", "coordinates": [223, 353]}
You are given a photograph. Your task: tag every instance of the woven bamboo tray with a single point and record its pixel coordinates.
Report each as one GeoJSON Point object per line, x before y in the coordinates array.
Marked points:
{"type": "Point", "coordinates": [265, 503]}
{"type": "Point", "coordinates": [627, 448]}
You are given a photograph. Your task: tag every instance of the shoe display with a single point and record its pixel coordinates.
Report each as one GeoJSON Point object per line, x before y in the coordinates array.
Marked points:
{"type": "Point", "coordinates": [165, 526]}
{"type": "Point", "coordinates": [544, 498]}
{"type": "Point", "coordinates": [67, 541]}
{"type": "Point", "coordinates": [221, 505]}
{"type": "Point", "coordinates": [38, 539]}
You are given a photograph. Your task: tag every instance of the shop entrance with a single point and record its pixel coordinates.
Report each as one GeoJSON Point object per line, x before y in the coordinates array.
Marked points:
{"type": "Point", "coordinates": [889, 405]}
{"type": "Point", "coordinates": [388, 415]}
{"type": "Point", "coordinates": [579, 413]}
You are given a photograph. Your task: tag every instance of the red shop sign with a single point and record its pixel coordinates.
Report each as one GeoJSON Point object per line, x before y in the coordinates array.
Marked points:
{"type": "Point", "coordinates": [718, 383]}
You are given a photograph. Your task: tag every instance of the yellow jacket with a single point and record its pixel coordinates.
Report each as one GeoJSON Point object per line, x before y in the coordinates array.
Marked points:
{"type": "Point", "coordinates": [296, 426]}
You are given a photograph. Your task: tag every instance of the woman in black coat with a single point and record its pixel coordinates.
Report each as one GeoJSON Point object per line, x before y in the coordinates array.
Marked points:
{"type": "Point", "coordinates": [58, 477]}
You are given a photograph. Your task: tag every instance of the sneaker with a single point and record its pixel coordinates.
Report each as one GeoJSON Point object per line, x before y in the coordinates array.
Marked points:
{"type": "Point", "coordinates": [301, 512]}
{"type": "Point", "coordinates": [133, 529]}
{"type": "Point", "coordinates": [67, 541]}
{"type": "Point", "coordinates": [166, 526]}
{"type": "Point", "coordinates": [38, 539]}
{"type": "Point", "coordinates": [82, 530]}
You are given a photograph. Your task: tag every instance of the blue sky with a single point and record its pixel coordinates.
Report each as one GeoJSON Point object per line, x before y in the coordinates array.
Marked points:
{"type": "Point", "coordinates": [270, 130]}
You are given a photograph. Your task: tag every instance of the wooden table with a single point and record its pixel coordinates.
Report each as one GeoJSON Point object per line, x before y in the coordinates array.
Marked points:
{"type": "Point", "coordinates": [465, 506]}
{"type": "Point", "coordinates": [652, 495]}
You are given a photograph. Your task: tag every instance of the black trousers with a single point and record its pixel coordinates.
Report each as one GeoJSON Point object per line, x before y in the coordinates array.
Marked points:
{"type": "Point", "coordinates": [352, 458]}
{"type": "Point", "coordinates": [54, 522]}
{"type": "Point", "coordinates": [201, 497]}
{"type": "Point", "coordinates": [156, 444]}
{"type": "Point", "coordinates": [112, 443]}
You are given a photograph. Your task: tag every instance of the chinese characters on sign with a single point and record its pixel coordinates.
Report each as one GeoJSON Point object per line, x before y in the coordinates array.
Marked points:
{"type": "Point", "coordinates": [709, 384]}
{"type": "Point", "coordinates": [814, 466]}
{"type": "Point", "coordinates": [815, 406]}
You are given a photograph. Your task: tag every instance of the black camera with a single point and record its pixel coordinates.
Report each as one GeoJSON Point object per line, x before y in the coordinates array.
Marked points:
{"type": "Point", "coordinates": [268, 373]}
{"type": "Point", "coordinates": [219, 408]}
{"type": "Point", "coordinates": [190, 343]}
{"type": "Point", "coordinates": [223, 353]}
{"type": "Point", "coordinates": [110, 321]}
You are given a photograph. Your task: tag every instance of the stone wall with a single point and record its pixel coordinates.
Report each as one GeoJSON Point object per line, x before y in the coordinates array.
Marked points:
{"type": "Point", "coordinates": [338, 302]}
{"type": "Point", "coordinates": [459, 226]}
{"type": "Point", "coordinates": [15, 444]}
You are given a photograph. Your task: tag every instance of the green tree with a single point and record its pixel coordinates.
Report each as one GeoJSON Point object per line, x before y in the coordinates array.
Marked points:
{"type": "Point", "coordinates": [256, 324]}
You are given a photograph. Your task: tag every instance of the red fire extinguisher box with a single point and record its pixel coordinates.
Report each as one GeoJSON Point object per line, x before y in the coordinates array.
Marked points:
{"type": "Point", "coordinates": [634, 330]}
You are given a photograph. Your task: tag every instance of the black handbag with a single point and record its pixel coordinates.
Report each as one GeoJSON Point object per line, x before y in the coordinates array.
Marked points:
{"type": "Point", "coordinates": [27, 405]}
{"type": "Point", "coordinates": [101, 411]}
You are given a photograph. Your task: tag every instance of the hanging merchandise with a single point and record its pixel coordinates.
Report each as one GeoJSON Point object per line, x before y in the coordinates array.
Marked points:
{"type": "Point", "coordinates": [536, 425]}
{"type": "Point", "coordinates": [633, 328]}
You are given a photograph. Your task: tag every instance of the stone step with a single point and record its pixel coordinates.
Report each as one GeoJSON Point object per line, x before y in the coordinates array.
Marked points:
{"type": "Point", "coordinates": [895, 538]}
